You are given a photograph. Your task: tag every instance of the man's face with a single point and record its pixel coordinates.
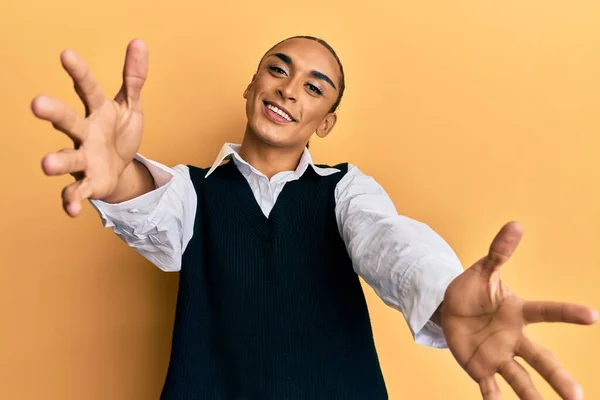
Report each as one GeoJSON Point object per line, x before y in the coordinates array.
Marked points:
{"type": "Point", "coordinates": [292, 93]}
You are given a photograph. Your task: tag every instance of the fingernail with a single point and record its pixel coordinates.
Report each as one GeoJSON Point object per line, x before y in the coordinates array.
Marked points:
{"type": "Point", "coordinates": [595, 315]}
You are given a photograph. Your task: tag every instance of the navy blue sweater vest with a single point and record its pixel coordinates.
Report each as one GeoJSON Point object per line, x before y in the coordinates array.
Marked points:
{"type": "Point", "coordinates": [270, 308]}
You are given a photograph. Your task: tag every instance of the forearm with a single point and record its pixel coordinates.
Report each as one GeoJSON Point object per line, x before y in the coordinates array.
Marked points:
{"type": "Point", "coordinates": [135, 181]}
{"type": "Point", "coordinates": [158, 224]}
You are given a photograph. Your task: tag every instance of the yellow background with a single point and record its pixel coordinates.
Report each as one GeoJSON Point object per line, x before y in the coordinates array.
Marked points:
{"type": "Point", "coordinates": [469, 113]}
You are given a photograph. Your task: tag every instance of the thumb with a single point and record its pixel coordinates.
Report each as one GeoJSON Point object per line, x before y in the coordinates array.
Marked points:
{"type": "Point", "coordinates": [502, 247]}
{"type": "Point", "coordinates": [135, 71]}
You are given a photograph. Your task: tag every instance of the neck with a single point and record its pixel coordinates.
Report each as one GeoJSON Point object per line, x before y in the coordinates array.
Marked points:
{"type": "Point", "coordinates": [269, 159]}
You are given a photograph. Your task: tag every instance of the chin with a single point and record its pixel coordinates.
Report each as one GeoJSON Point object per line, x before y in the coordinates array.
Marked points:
{"type": "Point", "coordinates": [271, 138]}
{"type": "Point", "coordinates": [271, 134]}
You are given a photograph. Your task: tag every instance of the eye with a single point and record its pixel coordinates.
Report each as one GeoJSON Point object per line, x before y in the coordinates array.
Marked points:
{"type": "Point", "coordinates": [277, 70]}
{"type": "Point", "coordinates": [314, 89]}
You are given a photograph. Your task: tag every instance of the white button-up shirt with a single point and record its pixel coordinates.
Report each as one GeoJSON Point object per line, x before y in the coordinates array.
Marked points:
{"type": "Point", "coordinates": [407, 264]}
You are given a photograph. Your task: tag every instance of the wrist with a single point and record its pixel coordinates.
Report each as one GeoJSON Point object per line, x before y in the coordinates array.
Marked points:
{"type": "Point", "coordinates": [134, 181]}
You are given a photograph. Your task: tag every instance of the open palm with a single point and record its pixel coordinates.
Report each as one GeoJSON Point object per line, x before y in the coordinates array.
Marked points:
{"type": "Point", "coordinates": [484, 325]}
{"type": "Point", "coordinates": [106, 139]}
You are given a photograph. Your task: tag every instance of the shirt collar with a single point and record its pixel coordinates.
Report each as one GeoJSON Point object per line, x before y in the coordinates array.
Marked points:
{"type": "Point", "coordinates": [231, 150]}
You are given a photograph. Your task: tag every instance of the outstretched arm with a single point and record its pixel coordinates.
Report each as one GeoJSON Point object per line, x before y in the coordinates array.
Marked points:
{"type": "Point", "coordinates": [406, 262]}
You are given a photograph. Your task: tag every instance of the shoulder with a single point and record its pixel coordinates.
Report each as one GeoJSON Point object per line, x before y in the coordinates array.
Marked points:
{"type": "Point", "coordinates": [355, 180]}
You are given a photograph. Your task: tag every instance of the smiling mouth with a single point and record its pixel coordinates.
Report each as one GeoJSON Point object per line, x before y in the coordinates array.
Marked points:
{"type": "Point", "coordinates": [277, 114]}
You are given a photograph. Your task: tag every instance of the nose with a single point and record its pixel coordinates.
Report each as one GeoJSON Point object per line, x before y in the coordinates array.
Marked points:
{"type": "Point", "coordinates": [287, 90]}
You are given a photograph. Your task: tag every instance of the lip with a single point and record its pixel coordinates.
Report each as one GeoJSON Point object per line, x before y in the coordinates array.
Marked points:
{"type": "Point", "coordinates": [266, 102]}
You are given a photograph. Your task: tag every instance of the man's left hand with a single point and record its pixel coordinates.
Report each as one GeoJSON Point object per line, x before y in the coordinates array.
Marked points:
{"type": "Point", "coordinates": [484, 325]}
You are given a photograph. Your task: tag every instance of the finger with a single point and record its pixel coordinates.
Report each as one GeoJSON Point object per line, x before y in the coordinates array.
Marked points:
{"type": "Point", "coordinates": [518, 378]}
{"type": "Point", "coordinates": [61, 116]}
{"type": "Point", "coordinates": [66, 161]}
{"type": "Point", "coordinates": [490, 389]}
{"type": "Point", "coordinates": [549, 311]}
{"type": "Point", "coordinates": [503, 246]}
{"type": "Point", "coordinates": [544, 362]}
{"type": "Point", "coordinates": [135, 72]}
{"type": "Point", "coordinates": [86, 85]}
{"type": "Point", "coordinates": [74, 194]}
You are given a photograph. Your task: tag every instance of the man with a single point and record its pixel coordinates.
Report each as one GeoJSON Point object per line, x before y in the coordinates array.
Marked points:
{"type": "Point", "coordinates": [270, 246]}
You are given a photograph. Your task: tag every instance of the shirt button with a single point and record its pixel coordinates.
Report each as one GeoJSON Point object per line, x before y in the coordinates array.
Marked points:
{"type": "Point", "coordinates": [134, 210]}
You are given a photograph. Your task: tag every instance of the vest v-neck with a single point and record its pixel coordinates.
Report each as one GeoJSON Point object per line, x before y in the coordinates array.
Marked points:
{"type": "Point", "coordinates": [290, 196]}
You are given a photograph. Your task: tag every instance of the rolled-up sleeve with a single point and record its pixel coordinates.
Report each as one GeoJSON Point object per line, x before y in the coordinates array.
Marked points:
{"type": "Point", "coordinates": [406, 262]}
{"type": "Point", "coordinates": [160, 223]}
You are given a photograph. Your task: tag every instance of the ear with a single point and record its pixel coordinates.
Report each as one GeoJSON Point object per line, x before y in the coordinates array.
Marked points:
{"type": "Point", "coordinates": [248, 88]}
{"type": "Point", "coordinates": [327, 125]}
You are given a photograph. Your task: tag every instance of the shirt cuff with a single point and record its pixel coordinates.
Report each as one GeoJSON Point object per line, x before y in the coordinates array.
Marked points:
{"type": "Point", "coordinates": [137, 211]}
{"type": "Point", "coordinates": [426, 295]}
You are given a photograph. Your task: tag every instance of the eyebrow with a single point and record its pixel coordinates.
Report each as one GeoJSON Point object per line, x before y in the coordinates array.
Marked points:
{"type": "Point", "coordinates": [319, 75]}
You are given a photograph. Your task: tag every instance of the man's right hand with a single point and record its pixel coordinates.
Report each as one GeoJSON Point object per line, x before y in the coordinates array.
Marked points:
{"type": "Point", "coordinates": [106, 140]}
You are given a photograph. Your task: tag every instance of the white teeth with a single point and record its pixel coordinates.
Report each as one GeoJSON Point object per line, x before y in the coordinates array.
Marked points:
{"type": "Point", "coordinates": [280, 112]}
